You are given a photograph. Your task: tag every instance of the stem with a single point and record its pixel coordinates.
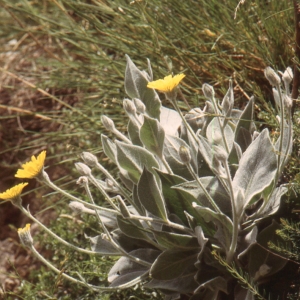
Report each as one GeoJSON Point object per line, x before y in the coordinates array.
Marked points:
{"type": "Point", "coordinates": [163, 159]}
{"type": "Point", "coordinates": [281, 133]}
{"type": "Point", "coordinates": [174, 103]}
{"type": "Point", "coordinates": [103, 192]}
{"type": "Point", "coordinates": [208, 196]}
{"type": "Point", "coordinates": [289, 140]}
{"type": "Point", "coordinates": [235, 218]}
{"type": "Point", "coordinates": [45, 179]}
{"type": "Point", "coordinates": [114, 244]}
{"type": "Point", "coordinates": [93, 287]}
{"type": "Point", "coordinates": [220, 125]}
{"type": "Point", "coordinates": [120, 187]}
{"type": "Point", "coordinates": [30, 216]}
{"type": "Point", "coordinates": [121, 136]}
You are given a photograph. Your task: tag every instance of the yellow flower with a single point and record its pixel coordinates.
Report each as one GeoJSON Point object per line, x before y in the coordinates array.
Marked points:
{"type": "Point", "coordinates": [13, 192]}
{"type": "Point", "coordinates": [25, 229]}
{"type": "Point", "coordinates": [25, 236]}
{"type": "Point", "coordinates": [168, 84]}
{"type": "Point", "coordinates": [32, 168]}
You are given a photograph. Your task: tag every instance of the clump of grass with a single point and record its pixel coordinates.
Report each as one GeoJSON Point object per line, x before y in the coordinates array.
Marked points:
{"type": "Point", "coordinates": [69, 64]}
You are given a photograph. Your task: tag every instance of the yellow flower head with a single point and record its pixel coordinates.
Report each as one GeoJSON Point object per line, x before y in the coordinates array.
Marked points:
{"type": "Point", "coordinates": [25, 236]}
{"type": "Point", "coordinates": [25, 229]}
{"type": "Point", "coordinates": [13, 192]}
{"type": "Point", "coordinates": [32, 168]}
{"type": "Point", "coordinates": [168, 84]}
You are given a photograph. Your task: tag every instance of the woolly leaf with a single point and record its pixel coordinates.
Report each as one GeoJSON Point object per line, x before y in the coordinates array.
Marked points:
{"type": "Point", "coordinates": [172, 264]}
{"type": "Point", "coordinates": [133, 159]}
{"type": "Point", "coordinates": [152, 136]}
{"type": "Point", "coordinates": [136, 87]}
{"type": "Point", "coordinates": [174, 240]}
{"type": "Point", "coordinates": [150, 195]}
{"type": "Point", "coordinates": [109, 148]}
{"type": "Point", "coordinates": [103, 246]}
{"type": "Point", "coordinates": [256, 170]}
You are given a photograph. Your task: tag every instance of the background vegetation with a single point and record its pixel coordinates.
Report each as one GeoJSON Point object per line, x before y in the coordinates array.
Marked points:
{"type": "Point", "coordinates": [62, 66]}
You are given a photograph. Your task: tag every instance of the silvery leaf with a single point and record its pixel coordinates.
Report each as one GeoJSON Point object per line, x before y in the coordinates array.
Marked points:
{"type": "Point", "coordinates": [134, 159]}
{"type": "Point", "coordinates": [170, 121]}
{"type": "Point", "coordinates": [256, 170]}
{"type": "Point", "coordinates": [136, 87]}
{"type": "Point", "coordinates": [152, 136]}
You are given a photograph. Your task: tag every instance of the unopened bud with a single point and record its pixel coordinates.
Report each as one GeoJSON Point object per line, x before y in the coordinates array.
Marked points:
{"type": "Point", "coordinates": [140, 106]}
{"type": "Point", "coordinates": [272, 77]}
{"type": "Point", "coordinates": [262, 271]}
{"type": "Point", "coordinates": [209, 108]}
{"type": "Point", "coordinates": [83, 169]}
{"type": "Point", "coordinates": [107, 123]}
{"type": "Point", "coordinates": [276, 97]}
{"type": "Point", "coordinates": [109, 183]}
{"type": "Point", "coordinates": [208, 91]}
{"type": "Point", "coordinates": [278, 119]}
{"type": "Point", "coordinates": [78, 208]}
{"type": "Point", "coordinates": [89, 158]}
{"type": "Point", "coordinates": [288, 102]}
{"type": "Point", "coordinates": [129, 107]}
{"type": "Point", "coordinates": [82, 180]}
{"type": "Point", "coordinates": [287, 76]}
{"type": "Point", "coordinates": [25, 236]}
{"type": "Point", "coordinates": [184, 154]}
{"type": "Point", "coordinates": [219, 153]}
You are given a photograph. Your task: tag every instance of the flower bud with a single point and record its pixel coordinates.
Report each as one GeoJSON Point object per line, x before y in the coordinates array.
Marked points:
{"type": "Point", "coordinates": [83, 169]}
{"type": "Point", "coordinates": [140, 106]}
{"type": "Point", "coordinates": [287, 76]}
{"type": "Point", "coordinates": [82, 180]}
{"type": "Point", "coordinates": [288, 102]}
{"type": "Point", "coordinates": [262, 271]}
{"type": "Point", "coordinates": [78, 208]}
{"type": "Point", "coordinates": [109, 183]}
{"type": "Point", "coordinates": [272, 77]}
{"type": "Point", "coordinates": [184, 154]}
{"type": "Point", "coordinates": [25, 236]}
{"type": "Point", "coordinates": [129, 107]}
{"type": "Point", "coordinates": [107, 123]}
{"type": "Point", "coordinates": [208, 91]}
{"type": "Point", "coordinates": [276, 97]}
{"type": "Point", "coordinates": [89, 158]}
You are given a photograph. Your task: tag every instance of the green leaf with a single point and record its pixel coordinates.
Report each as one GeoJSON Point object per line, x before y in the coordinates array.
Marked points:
{"type": "Point", "coordinates": [256, 170]}
{"type": "Point", "coordinates": [125, 270]}
{"type": "Point", "coordinates": [102, 246]}
{"type": "Point", "coordinates": [174, 240]}
{"type": "Point", "coordinates": [152, 136]}
{"type": "Point", "coordinates": [214, 135]}
{"type": "Point", "coordinates": [134, 159]}
{"type": "Point", "coordinates": [183, 284]}
{"type": "Point", "coordinates": [170, 121]}
{"type": "Point", "coordinates": [221, 221]}
{"type": "Point", "coordinates": [214, 188]}
{"type": "Point", "coordinates": [150, 195]}
{"type": "Point", "coordinates": [172, 263]}
{"type": "Point", "coordinates": [134, 134]}
{"type": "Point", "coordinates": [171, 153]}
{"type": "Point", "coordinates": [176, 203]}
{"type": "Point", "coordinates": [245, 119]}
{"type": "Point", "coordinates": [133, 229]}
{"type": "Point", "coordinates": [136, 87]}
{"type": "Point", "coordinates": [262, 262]}
{"type": "Point", "coordinates": [109, 148]}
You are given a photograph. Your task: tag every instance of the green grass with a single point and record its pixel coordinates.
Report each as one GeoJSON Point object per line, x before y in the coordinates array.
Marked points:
{"type": "Point", "coordinates": [74, 52]}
